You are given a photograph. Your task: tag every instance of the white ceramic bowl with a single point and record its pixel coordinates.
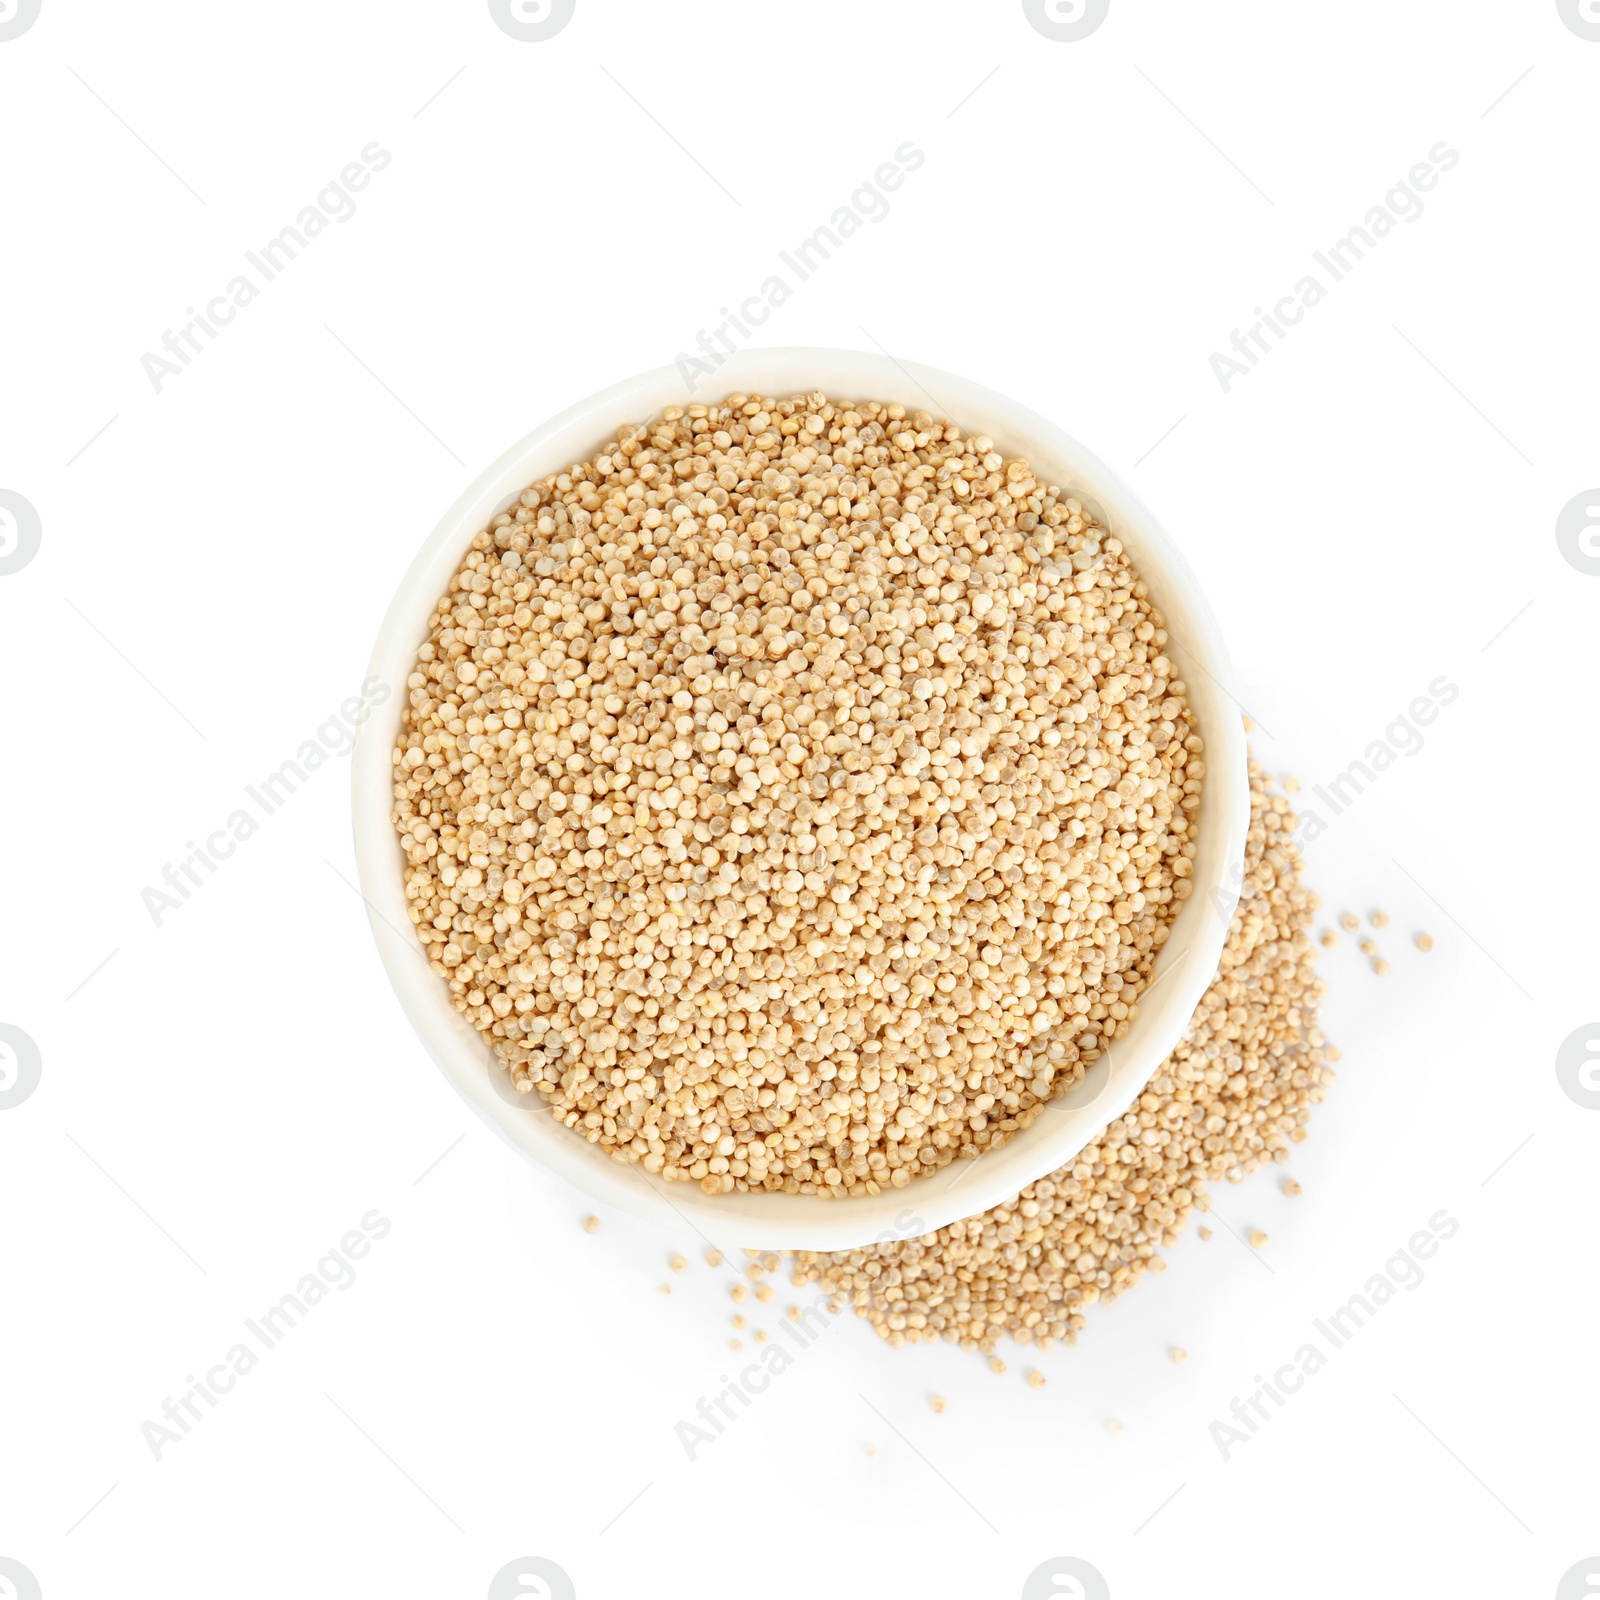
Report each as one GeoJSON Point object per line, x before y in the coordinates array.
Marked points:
{"type": "Point", "coordinates": [1183, 970]}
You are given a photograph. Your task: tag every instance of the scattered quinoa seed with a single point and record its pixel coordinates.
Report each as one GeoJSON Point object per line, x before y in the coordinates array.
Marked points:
{"type": "Point", "coordinates": [1424, 941]}
{"type": "Point", "coordinates": [796, 794]}
{"type": "Point", "coordinates": [1349, 922]}
{"type": "Point", "coordinates": [761, 1335]}
{"type": "Point", "coordinates": [738, 1321]}
{"type": "Point", "coordinates": [1236, 1093]}
{"type": "Point", "coordinates": [937, 1402]}
{"type": "Point", "coordinates": [1329, 939]}
{"type": "Point", "coordinates": [1257, 1239]}
{"type": "Point", "coordinates": [1369, 947]}
{"type": "Point", "coordinates": [739, 1292]}
{"type": "Point", "coordinates": [677, 1263]}
{"type": "Point", "coordinates": [1379, 919]}
{"type": "Point", "coordinates": [735, 1344]}
{"type": "Point", "coordinates": [764, 1293]}
{"type": "Point", "coordinates": [1179, 1356]}
{"type": "Point", "coordinates": [1291, 1187]}
{"type": "Point", "coordinates": [1035, 1378]}
{"type": "Point", "coordinates": [1114, 1428]}
{"type": "Point", "coordinates": [591, 1224]}
{"type": "Point", "coordinates": [713, 1258]}
{"type": "Point", "coordinates": [1380, 967]}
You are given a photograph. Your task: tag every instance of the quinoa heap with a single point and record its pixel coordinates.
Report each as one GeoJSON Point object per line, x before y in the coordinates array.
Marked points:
{"type": "Point", "coordinates": [797, 794]}
{"type": "Point", "coordinates": [1236, 1093]}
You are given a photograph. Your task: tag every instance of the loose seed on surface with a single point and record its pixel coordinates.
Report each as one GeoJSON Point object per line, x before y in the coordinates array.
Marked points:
{"type": "Point", "coordinates": [1369, 947]}
{"type": "Point", "coordinates": [1291, 1187]}
{"type": "Point", "coordinates": [1424, 941]}
{"type": "Point", "coordinates": [677, 1263]}
{"type": "Point", "coordinates": [1379, 919]}
{"type": "Point", "coordinates": [1257, 1239]}
{"type": "Point", "coordinates": [1036, 1379]}
{"type": "Point", "coordinates": [1329, 939]}
{"type": "Point", "coordinates": [713, 1258]}
{"type": "Point", "coordinates": [1179, 1357]}
{"type": "Point", "coordinates": [1236, 1093]}
{"type": "Point", "coordinates": [937, 1402]}
{"type": "Point", "coordinates": [591, 1224]}
{"type": "Point", "coordinates": [1349, 922]}
{"type": "Point", "coordinates": [996, 1365]}
{"type": "Point", "coordinates": [1380, 967]}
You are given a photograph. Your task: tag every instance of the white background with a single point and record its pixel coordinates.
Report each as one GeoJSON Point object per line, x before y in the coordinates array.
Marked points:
{"type": "Point", "coordinates": [225, 1095]}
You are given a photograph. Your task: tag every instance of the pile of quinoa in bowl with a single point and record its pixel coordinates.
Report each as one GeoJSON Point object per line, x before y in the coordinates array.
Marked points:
{"type": "Point", "coordinates": [796, 795]}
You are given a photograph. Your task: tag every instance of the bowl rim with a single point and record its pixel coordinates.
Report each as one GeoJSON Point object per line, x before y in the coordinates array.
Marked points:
{"type": "Point", "coordinates": [1184, 968]}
